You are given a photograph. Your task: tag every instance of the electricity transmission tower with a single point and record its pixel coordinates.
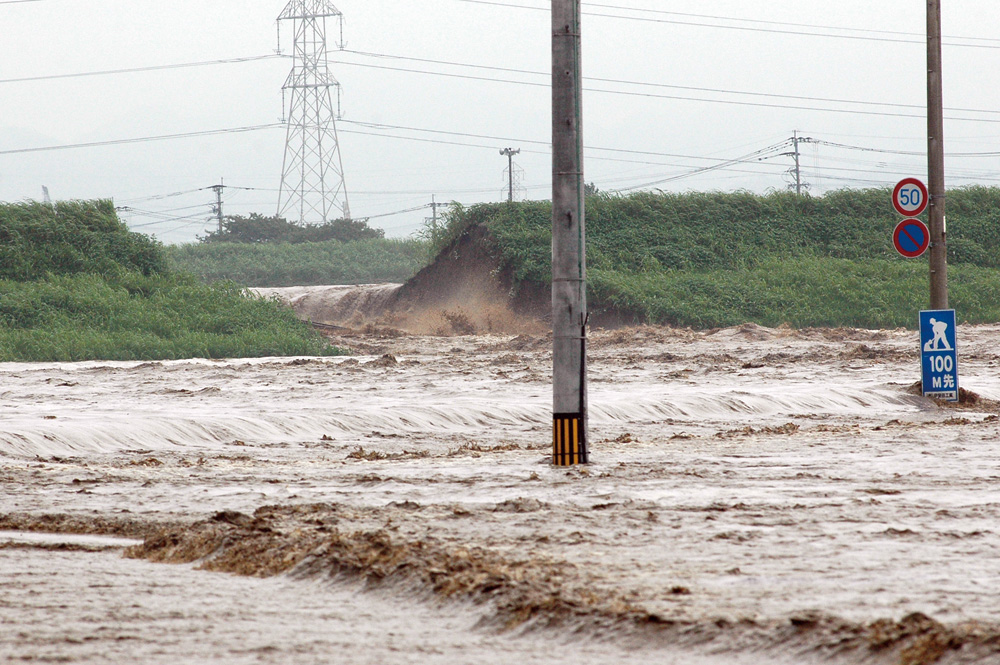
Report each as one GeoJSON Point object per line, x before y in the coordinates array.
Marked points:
{"type": "Point", "coordinates": [312, 175]}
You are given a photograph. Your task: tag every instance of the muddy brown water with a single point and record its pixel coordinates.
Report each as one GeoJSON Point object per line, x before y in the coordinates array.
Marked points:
{"type": "Point", "coordinates": [757, 496]}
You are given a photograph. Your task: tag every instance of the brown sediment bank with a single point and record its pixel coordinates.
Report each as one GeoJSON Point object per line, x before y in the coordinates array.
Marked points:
{"type": "Point", "coordinates": [463, 291]}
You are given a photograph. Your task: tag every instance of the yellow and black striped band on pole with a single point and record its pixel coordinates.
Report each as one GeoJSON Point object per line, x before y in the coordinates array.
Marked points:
{"type": "Point", "coordinates": [569, 439]}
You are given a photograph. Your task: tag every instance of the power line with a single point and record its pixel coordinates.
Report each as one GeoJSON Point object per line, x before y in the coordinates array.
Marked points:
{"type": "Point", "coordinates": [862, 102]}
{"type": "Point", "coordinates": [735, 102]}
{"type": "Point", "coordinates": [157, 197]}
{"type": "Point", "coordinates": [643, 83]}
{"type": "Point", "coordinates": [398, 212]}
{"type": "Point", "coordinates": [721, 163]}
{"type": "Point", "coordinates": [132, 70]}
{"type": "Point", "coordinates": [518, 140]}
{"type": "Point", "coordinates": [546, 74]}
{"type": "Point", "coordinates": [799, 33]}
{"type": "Point", "coordinates": [161, 218]}
{"type": "Point", "coordinates": [905, 152]}
{"type": "Point", "coordinates": [756, 155]}
{"type": "Point", "coordinates": [142, 139]}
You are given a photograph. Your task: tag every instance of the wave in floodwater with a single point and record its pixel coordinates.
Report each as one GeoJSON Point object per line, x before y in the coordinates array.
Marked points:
{"type": "Point", "coordinates": [784, 400]}
{"type": "Point", "coordinates": [341, 304]}
{"type": "Point", "coordinates": [217, 420]}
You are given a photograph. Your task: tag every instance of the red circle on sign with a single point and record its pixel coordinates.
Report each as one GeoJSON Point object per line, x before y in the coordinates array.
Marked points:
{"type": "Point", "coordinates": [903, 194]}
{"type": "Point", "coordinates": [911, 238]}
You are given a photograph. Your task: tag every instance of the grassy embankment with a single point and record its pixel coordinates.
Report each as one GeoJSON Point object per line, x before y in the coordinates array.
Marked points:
{"type": "Point", "coordinates": [372, 260]}
{"type": "Point", "coordinates": [76, 284]}
{"type": "Point", "coordinates": [713, 259]}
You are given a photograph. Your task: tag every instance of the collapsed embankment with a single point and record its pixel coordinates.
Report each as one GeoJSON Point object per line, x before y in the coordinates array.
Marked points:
{"type": "Point", "coordinates": [465, 290]}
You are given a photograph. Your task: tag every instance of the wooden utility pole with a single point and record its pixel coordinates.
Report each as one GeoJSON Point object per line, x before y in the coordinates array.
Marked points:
{"type": "Point", "coordinates": [935, 160]}
{"type": "Point", "coordinates": [569, 263]}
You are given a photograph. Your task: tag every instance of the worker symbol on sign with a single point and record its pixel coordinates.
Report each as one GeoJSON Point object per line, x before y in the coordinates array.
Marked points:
{"type": "Point", "coordinates": [940, 340]}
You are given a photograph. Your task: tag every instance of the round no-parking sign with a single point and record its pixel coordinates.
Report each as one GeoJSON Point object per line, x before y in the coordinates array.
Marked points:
{"type": "Point", "coordinates": [909, 198]}
{"type": "Point", "coordinates": [911, 238]}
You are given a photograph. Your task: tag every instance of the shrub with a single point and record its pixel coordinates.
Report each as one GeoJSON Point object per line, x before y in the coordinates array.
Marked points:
{"type": "Point", "coordinates": [260, 229]}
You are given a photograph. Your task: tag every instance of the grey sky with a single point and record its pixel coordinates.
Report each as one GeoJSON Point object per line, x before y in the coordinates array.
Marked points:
{"type": "Point", "coordinates": [675, 61]}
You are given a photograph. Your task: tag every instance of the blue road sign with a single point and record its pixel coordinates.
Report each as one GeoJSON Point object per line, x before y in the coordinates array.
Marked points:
{"type": "Point", "coordinates": [911, 238]}
{"type": "Point", "coordinates": [938, 357]}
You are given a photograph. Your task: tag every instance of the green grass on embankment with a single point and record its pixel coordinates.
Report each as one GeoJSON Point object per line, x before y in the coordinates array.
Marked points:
{"type": "Point", "coordinates": [76, 284]}
{"type": "Point", "coordinates": [366, 261]}
{"type": "Point", "coordinates": [718, 259]}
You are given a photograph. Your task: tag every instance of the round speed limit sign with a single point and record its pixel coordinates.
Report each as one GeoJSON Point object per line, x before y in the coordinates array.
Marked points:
{"type": "Point", "coordinates": [909, 198]}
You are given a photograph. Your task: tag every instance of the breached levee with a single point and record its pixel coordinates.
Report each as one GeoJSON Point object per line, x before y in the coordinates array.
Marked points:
{"type": "Point", "coordinates": [463, 291]}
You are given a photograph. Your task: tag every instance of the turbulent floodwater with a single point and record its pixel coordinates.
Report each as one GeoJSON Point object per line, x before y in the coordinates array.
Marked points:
{"type": "Point", "coordinates": [755, 496]}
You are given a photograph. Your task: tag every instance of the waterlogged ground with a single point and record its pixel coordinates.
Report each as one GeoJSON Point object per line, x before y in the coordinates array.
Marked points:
{"type": "Point", "coordinates": [755, 496]}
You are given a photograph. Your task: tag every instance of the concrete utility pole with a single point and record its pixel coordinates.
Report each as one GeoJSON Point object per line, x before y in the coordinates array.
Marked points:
{"type": "Point", "coordinates": [510, 171]}
{"type": "Point", "coordinates": [434, 218]}
{"type": "Point", "coordinates": [569, 261]}
{"type": "Point", "coordinates": [798, 171]}
{"type": "Point", "coordinates": [935, 160]}
{"type": "Point", "coordinates": [796, 155]}
{"type": "Point", "coordinates": [218, 202]}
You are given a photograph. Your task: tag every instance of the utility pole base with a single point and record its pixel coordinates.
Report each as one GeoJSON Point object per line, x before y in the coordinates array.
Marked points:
{"type": "Point", "coordinates": [569, 439]}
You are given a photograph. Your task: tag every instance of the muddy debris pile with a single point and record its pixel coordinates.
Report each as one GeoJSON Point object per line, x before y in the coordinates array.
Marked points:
{"type": "Point", "coordinates": [329, 541]}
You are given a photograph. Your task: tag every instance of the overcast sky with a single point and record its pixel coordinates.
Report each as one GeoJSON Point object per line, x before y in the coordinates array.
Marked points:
{"type": "Point", "coordinates": [434, 89]}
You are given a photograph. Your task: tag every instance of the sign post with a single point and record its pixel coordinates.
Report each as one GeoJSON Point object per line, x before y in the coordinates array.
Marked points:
{"type": "Point", "coordinates": [935, 160]}
{"type": "Point", "coordinates": [938, 356]}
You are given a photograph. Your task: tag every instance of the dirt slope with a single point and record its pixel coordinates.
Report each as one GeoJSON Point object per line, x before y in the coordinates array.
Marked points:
{"type": "Point", "coordinates": [465, 290]}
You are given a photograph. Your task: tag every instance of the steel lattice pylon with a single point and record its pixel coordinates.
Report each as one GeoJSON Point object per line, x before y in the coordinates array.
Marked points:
{"type": "Point", "coordinates": [312, 175]}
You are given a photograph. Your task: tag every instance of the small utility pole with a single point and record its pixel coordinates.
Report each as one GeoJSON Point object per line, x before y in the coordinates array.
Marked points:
{"type": "Point", "coordinates": [798, 171]}
{"type": "Point", "coordinates": [569, 261]}
{"type": "Point", "coordinates": [434, 219]}
{"type": "Point", "coordinates": [510, 171]}
{"type": "Point", "coordinates": [935, 159]}
{"type": "Point", "coordinates": [218, 202]}
{"type": "Point", "coordinates": [796, 155]}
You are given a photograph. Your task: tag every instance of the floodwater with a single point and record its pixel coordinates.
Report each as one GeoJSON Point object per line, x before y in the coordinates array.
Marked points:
{"type": "Point", "coordinates": [89, 605]}
{"type": "Point", "coordinates": [756, 496]}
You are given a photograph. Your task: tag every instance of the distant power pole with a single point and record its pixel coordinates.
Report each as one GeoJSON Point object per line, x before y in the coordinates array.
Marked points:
{"type": "Point", "coordinates": [935, 160]}
{"type": "Point", "coordinates": [569, 260]}
{"type": "Point", "coordinates": [510, 171]}
{"type": "Point", "coordinates": [796, 170]}
{"type": "Point", "coordinates": [217, 209]}
{"type": "Point", "coordinates": [434, 218]}
{"type": "Point", "coordinates": [312, 176]}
